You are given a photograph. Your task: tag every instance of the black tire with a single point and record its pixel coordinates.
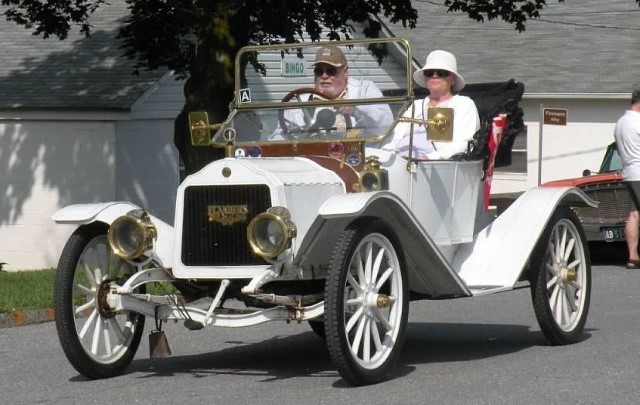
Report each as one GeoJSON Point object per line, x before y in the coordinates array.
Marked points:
{"type": "Point", "coordinates": [365, 327]}
{"type": "Point", "coordinates": [97, 343]}
{"type": "Point", "coordinates": [561, 278]}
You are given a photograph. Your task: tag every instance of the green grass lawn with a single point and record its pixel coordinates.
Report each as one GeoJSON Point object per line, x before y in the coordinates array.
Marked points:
{"type": "Point", "coordinates": [22, 290]}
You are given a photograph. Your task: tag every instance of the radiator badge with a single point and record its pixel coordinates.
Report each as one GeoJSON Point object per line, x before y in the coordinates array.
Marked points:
{"type": "Point", "coordinates": [227, 214]}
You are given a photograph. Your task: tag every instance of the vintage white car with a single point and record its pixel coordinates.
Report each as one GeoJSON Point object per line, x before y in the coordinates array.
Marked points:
{"type": "Point", "coordinates": [311, 219]}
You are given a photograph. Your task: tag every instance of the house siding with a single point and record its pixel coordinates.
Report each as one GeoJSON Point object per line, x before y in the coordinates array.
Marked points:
{"type": "Point", "coordinates": [46, 165]}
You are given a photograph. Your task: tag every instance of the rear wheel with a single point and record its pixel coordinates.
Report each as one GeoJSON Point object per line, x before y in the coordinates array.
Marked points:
{"type": "Point", "coordinates": [97, 342]}
{"type": "Point", "coordinates": [561, 279]}
{"type": "Point", "coordinates": [366, 304]}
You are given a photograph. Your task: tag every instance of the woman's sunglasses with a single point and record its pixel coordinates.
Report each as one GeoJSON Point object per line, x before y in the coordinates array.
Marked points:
{"type": "Point", "coordinates": [438, 72]}
{"type": "Point", "coordinates": [329, 70]}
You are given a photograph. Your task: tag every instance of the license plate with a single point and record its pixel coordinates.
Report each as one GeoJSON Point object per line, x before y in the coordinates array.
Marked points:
{"type": "Point", "coordinates": [613, 234]}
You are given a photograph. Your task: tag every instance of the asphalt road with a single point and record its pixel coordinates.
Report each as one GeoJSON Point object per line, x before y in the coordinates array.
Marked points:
{"type": "Point", "coordinates": [481, 350]}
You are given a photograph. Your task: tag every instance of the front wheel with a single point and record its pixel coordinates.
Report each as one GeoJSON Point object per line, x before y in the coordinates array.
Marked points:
{"type": "Point", "coordinates": [97, 342]}
{"type": "Point", "coordinates": [561, 278]}
{"type": "Point", "coordinates": [366, 303]}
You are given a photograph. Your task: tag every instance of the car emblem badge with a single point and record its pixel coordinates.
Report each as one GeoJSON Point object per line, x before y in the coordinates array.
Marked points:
{"type": "Point", "coordinates": [227, 214]}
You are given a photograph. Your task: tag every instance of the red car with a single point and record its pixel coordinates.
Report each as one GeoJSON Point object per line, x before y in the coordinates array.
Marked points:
{"type": "Point", "coordinates": [605, 223]}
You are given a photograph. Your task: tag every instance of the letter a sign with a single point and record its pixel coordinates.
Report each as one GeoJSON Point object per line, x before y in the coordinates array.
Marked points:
{"type": "Point", "coordinates": [245, 95]}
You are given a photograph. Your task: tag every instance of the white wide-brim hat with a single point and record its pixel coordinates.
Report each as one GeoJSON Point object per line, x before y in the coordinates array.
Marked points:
{"type": "Point", "coordinates": [440, 60]}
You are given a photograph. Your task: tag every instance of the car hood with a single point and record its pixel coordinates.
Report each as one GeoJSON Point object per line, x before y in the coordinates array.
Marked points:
{"type": "Point", "coordinates": [586, 180]}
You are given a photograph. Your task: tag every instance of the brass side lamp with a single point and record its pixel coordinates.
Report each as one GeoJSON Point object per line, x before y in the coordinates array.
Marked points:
{"type": "Point", "coordinates": [200, 129]}
{"type": "Point", "coordinates": [440, 124]}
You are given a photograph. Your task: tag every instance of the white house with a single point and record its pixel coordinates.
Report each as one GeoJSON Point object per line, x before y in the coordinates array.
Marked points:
{"type": "Point", "coordinates": [76, 126]}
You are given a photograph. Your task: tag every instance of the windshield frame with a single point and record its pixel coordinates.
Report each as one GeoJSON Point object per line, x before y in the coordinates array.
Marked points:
{"type": "Point", "coordinates": [400, 53]}
{"type": "Point", "coordinates": [237, 104]}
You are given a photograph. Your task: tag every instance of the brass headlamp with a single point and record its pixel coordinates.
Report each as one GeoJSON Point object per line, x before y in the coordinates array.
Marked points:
{"type": "Point", "coordinates": [271, 232]}
{"type": "Point", "coordinates": [131, 235]}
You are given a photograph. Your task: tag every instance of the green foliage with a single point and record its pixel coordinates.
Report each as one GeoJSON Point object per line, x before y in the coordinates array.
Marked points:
{"type": "Point", "coordinates": [52, 17]}
{"type": "Point", "coordinates": [22, 290]}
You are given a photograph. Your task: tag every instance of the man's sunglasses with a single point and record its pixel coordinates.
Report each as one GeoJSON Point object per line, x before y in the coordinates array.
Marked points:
{"type": "Point", "coordinates": [329, 70]}
{"type": "Point", "coordinates": [438, 72]}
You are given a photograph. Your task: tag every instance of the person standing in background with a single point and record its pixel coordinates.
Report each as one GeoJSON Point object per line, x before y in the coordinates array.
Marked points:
{"type": "Point", "coordinates": [627, 135]}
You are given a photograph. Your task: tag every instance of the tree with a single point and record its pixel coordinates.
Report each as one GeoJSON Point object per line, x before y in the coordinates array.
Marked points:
{"type": "Point", "coordinates": [203, 37]}
{"type": "Point", "coordinates": [199, 39]}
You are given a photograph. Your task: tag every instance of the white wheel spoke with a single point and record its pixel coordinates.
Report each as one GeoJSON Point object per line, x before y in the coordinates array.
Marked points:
{"type": "Point", "coordinates": [91, 303]}
{"type": "Point", "coordinates": [376, 337]}
{"type": "Point", "coordinates": [570, 300]}
{"type": "Point", "coordinates": [115, 326]}
{"type": "Point", "coordinates": [376, 264]}
{"type": "Point", "coordinates": [566, 317]}
{"type": "Point", "coordinates": [353, 283]}
{"type": "Point", "coordinates": [103, 262]}
{"type": "Point", "coordinates": [562, 243]}
{"type": "Point", "coordinates": [552, 281]}
{"type": "Point", "coordinates": [89, 274]}
{"type": "Point", "coordinates": [382, 319]}
{"type": "Point", "coordinates": [569, 248]}
{"type": "Point", "coordinates": [361, 277]}
{"type": "Point", "coordinates": [554, 294]}
{"type": "Point", "coordinates": [574, 263]}
{"type": "Point", "coordinates": [357, 339]}
{"type": "Point", "coordinates": [88, 323]}
{"type": "Point", "coordinates": [368, 262]}
{"type": "Point", "coordinates": [97, 275]}
{"type": "Point", "coordinates": [383, 279]}
{"type": "Point", "coordinates": [354, 301]}
{"type": "Point", "coordinates": [107, 338]}
{"type": "Point", "coordinates": [575, 284]}
{"type": "Point", "coordinates": [557, 303]}
{"type": "Point", "coordinates": [552, 253]}
{"type": "Point", "coordinates": [95, 341]}
{"type": "Point", "coordinates": [366, 352]}
{"type": "Point", "coordinates": [83, 289]}
{"type": "Point", "coordinates": [354, 319]}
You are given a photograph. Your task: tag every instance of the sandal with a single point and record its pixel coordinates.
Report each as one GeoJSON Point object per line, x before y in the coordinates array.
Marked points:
{"type": "Point", "coordinates": [633, 264]}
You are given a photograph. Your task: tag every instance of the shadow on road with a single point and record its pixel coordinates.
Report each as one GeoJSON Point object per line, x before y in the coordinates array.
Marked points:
{"type": "Point", "coordinates": [305, 354]}
{"type": "Point", "coordinates": [613, 253]}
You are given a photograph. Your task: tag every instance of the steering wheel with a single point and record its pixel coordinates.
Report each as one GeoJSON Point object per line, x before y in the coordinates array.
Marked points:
{"type": "Point", "coordinates": [289, 127]}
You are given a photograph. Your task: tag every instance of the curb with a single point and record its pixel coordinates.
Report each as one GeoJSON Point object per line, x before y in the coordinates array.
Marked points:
{"type": "Point", "coordinates": [27, 317]}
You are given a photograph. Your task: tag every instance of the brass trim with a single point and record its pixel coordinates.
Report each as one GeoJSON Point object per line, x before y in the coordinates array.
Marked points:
{"type": "Point", "coordinates": [141, 221]}
{"type": "Point", "coordinates": [440, 124]}
{"type": "Point", "coordinates": [282, 217]}
{"type": "Point", "coordinates": [227, 214]}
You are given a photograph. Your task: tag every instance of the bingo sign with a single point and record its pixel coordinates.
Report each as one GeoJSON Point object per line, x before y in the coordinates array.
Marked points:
{"type": "Point", "coordinates": [293, 66]}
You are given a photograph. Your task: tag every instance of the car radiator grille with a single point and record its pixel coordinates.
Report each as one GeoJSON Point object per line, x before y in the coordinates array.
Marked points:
{"type": "Point", "coordinates": [207, 243]}
{"type": "Point", "coordinates": [614, 207]}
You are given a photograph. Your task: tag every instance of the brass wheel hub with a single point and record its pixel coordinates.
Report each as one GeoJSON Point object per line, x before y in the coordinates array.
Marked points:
{"type": "Point", "coordinates": [101, 300]}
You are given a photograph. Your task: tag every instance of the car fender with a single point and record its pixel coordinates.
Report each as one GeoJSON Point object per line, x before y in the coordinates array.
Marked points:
{"type": "Point", "coordinates": [107, 212]}
{"type": "Point", "coordinates": [500, 252]}
{"type": "Point", "coordinates": [429, 271]}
